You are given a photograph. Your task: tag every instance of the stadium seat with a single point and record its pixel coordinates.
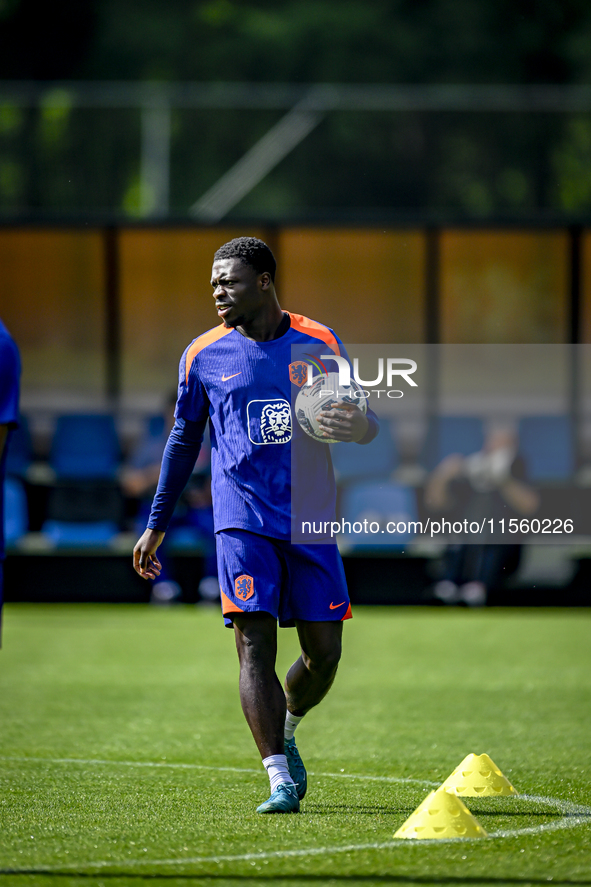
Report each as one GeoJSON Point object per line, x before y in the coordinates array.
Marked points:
{"type": "Point", "coordinates": [452, 434]}
{"type": "Point", "coordinates": [185, 539]}
{"type": "Point", "coordinates": [547, 446]}
{"type": "Point", "coordinates": [16, 515]}
{"type": "Point", "coordinates": [376, 459]}
{"type": "Point", "coordinates": [85, 504]}
{"type": "Point", "coordinates": [85, 446]}
{"type": "Point", "coordinates": [67, 534]}
{"type": "Point", "coordinates": [380, 502]}
{"type": "Point", "coordinates": [20, 450]}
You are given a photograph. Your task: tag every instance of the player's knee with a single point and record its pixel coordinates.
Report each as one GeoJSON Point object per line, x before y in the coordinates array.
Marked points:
{"type": "Point", "coordinates": [323, 662]}
{"type": "Point", "coordinates": [256, 653]}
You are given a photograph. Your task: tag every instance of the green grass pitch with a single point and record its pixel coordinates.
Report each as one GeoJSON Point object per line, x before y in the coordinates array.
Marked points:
{"type": "Point", "coordinates": [125, 758]}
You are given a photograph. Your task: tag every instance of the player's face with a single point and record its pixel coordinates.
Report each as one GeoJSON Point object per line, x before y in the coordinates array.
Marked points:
{"type": "Point", "coordinates": [239, 292]}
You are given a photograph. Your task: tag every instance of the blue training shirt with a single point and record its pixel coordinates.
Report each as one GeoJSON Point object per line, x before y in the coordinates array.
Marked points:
{"type": "Point", "coordinates": [247, 389]}
{"type": "Point", "coordinates": [10, 370]}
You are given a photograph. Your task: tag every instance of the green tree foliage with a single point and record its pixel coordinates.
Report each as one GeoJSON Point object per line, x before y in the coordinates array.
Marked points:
{"type": "Point", "coordinates": [360, 163]}
{"type": "Point", "coordinates": [389, 41]}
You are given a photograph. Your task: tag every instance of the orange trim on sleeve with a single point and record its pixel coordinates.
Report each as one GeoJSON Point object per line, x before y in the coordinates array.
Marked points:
{"type": "Point", "coordinates": [316, 330]}
{"type": "Point", "coordinates": [202, 342]}
{"type": "Point", "coordinates": [348, 614]}
{"type": "Point", "coordinates": [229, 606]}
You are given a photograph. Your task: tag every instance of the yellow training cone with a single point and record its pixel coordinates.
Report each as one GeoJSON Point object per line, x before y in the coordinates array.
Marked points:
{"type": "Point", "coordinates": [441, 815]}
{"type": "Point", "coordinates": [477, 776]}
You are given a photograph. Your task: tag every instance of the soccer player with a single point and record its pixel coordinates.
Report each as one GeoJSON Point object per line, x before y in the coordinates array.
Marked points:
{"type": "Point", "coordinates": [10, 370]}
{"type": "Point", "coordinates": [242, 377]}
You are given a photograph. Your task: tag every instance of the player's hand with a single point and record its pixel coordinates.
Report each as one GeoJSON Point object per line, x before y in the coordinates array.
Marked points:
{"type": "Point", "coordinates": [145, 562]}
{"type": "Point", "coordinates": [343, 422]}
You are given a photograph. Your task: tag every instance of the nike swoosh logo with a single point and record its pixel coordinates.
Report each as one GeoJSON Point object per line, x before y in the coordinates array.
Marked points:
{"type": "Point", "coordinates": [225, 378]}
{"type": "Point", "coordinates": [336, 606]}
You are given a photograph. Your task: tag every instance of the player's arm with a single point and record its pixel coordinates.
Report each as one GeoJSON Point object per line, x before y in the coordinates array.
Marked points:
{"type": "Point", "coordinates": [178, 461]}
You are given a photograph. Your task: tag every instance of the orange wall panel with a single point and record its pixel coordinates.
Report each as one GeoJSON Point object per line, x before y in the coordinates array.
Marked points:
{"type": "Point", "coordinates": [586, 287]}
{"type": "Point", "coordinates": [166, 300]}
{"type": "Point", "coordinates": [366, 284]}
{"type": "Point", "coordinates": [504, 287]}
{"type": "Point", "coordinates": [52, 301]}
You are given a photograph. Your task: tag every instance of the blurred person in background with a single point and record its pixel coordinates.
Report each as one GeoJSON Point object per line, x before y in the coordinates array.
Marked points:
{"type": "Point", "coordinates": [10, 370]}
{"type": "Point", "coordinates": [490, 484]}
{"type": "Point", "coordinates": [193, 514]}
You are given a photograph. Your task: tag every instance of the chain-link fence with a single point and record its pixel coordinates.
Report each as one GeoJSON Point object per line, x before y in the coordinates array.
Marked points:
{"type": "Point", "coordinates": [283, 152]}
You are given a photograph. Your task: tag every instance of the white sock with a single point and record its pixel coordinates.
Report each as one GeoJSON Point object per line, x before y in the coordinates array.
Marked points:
{"type": "Point", "coordinates": [276, 767]}
{"type": "Point", "coordinates": [291, 722]}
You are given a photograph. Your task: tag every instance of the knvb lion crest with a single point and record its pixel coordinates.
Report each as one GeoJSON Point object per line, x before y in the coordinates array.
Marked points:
{"type": "Point", "coordinates": [298, 372]}
{"type": "Point", "coordinates": [244, 587]}
{"type": "Point", "coordinates": [269, 421]}
{"type": "Point", "coordinates": [276, 422]}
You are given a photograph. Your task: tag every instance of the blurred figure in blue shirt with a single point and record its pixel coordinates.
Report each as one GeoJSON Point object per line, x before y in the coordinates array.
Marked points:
{"type": "Point", "coordinates": [10, 371]}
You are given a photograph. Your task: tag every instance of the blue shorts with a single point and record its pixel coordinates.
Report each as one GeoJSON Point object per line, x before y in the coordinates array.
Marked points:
{"type": "Point", "coordinates": [291, 582]}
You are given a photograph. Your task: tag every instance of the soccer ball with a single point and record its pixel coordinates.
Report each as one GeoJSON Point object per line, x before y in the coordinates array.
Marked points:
{"type": "Point", "coordinates": [324, 391]}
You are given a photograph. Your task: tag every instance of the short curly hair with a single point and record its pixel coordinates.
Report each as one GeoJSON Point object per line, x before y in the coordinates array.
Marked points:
{"type": "Point", "coordinates": [251, 251]}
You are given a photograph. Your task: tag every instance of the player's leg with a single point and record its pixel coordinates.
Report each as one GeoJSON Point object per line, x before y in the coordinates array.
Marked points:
{"type": "Point", "coordinates": [312, 675]}
{"type": "Point", "coordinates": [261, 696]}
{"type": "Point", "coordinates": [308, 681]}
{"type": "Point", "coordinates": [317, 602]}
{"type": "Point", "coordinates": [263, 704]}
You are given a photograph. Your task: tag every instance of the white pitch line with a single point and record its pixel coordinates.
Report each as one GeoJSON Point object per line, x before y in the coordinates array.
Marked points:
{"type": "Point", "coordinates": [567, 807]}
{"type": "Point", "coordinates": [171, 765]}
{"type": "Point", "coordinates": [576, 814]}
{"type": "Point", "coordinates": [556, 825]}
{"type": "Point", "coordinates": [196, 860]}
{"type": "Point", "coordinates": [567, 822]}
{"type": "Point", "coordinates": [93, 761]}
{"type": "Point", "coordinates": [398, 779]}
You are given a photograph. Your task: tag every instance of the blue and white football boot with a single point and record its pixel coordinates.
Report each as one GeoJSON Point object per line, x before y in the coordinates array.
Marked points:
{"type": "Point", "coordinates": [296, 768]}
{"type": "Point", "coordinates": [283, 800]}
